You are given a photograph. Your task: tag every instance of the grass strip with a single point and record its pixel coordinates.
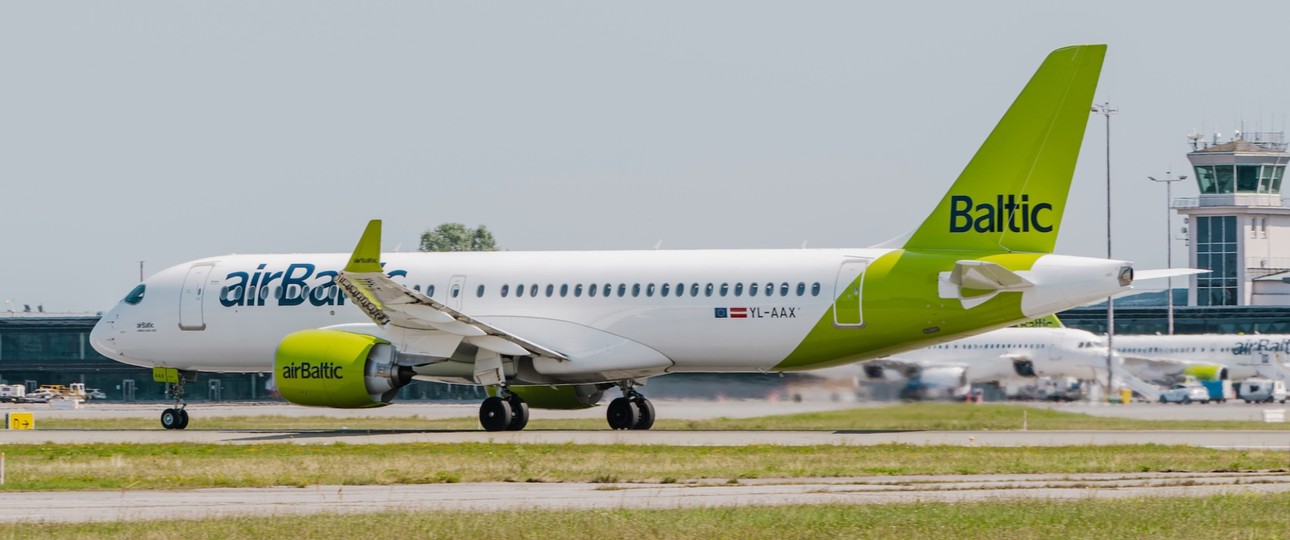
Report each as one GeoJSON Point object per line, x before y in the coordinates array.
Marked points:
{"type": "Point", "coordinates": [913, 416]}
{"type": "Point", "coordinates": [1224, 516]}
{"type": "Point", "coordinates": [176, 466]}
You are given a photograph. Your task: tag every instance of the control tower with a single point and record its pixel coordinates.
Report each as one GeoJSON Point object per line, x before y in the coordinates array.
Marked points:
{"type": "Point", "coordinates": [1238, 227]}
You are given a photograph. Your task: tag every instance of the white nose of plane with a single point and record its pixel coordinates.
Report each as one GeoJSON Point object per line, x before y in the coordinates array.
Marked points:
{"type": "Point", "coordinates": [103, 336]}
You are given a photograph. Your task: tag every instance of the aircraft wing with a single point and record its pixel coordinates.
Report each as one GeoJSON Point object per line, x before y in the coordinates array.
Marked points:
{"type": "Point", "coordinates": [1162, 371]}
{"type": "Point", "coordinates": [388, 303]}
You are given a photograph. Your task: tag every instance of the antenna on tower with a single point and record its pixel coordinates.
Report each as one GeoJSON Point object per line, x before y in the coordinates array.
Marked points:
{"type": "Point", "coordinates": [1194, 136]}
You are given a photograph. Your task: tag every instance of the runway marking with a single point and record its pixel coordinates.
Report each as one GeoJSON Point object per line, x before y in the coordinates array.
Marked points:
{"type": "Point", "coordinates": [91, 506]}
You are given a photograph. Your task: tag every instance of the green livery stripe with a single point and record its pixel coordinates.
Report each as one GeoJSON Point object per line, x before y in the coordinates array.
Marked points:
{"type": "Point", "coordinates": [1012, 194]}
{"type": "Point", "coordinates": [367, 254]}
{"type": "Point", "coordinates": [902, 309]}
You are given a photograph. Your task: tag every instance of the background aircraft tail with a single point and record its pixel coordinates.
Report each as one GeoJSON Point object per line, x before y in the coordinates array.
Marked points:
{"type": "Point", "coordinates": [1012, 194]}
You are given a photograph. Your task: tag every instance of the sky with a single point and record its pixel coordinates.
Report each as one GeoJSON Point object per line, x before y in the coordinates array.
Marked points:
{"type": "Point", "coordinates": [169, 131]}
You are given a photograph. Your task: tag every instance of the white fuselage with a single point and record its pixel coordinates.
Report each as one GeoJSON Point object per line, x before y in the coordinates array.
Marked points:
{"type": "Point", "coordinates": [1244, 356]}
{"type": "Point", "coordinates": [739, 310]}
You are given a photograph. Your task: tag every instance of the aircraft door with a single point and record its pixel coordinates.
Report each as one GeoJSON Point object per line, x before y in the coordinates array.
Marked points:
{"type": "Point", "coordinates": [192, 296]}
{"type": "Point", "coordinates": [1058, 345]}
{"type": "Point", "coordinates": [456, 291]}
{"type": "Point", "coordinates": [847, 290]}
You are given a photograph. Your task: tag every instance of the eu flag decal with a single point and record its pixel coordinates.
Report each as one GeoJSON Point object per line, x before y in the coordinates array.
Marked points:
{"type": "Point", "coordinates": [721, 313]}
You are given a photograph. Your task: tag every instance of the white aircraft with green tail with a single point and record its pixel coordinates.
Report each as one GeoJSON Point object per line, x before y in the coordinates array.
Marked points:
{"type": "Point", "coordinates": [558, 329]}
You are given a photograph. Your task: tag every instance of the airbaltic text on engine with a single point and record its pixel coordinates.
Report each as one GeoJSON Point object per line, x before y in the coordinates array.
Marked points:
{"type": "Point", "coordinates": [306, 370]}
{"type": "Point", "coordinates": [988, 218]}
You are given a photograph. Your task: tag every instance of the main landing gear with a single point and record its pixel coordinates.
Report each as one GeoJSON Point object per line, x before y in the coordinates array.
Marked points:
{"type": "Point", "coordinates": [176, 417]}
{"type": "Point", "coordinates": [632, 411]}
{"type": "Point", "coordinates": [504, 412]}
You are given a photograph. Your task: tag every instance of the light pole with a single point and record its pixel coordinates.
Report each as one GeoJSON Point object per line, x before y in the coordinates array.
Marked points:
{"type": "Point", "coordinates": [1106, 110]}
{"type": "Point", "coordinates": [1168, 180]}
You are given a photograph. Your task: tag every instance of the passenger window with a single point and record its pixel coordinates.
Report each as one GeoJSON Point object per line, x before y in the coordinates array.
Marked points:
{"type": "Point", "coordinates": [680, 289]}
{"type": "Point", "coordinates": [636, 289]}
{"type": "Point", "coordinates": [533, 290]}
{"type": "Point", "coordinates": [429, 290]}
{"type": "Point", "coordinates": [591, 291]}
{"type": "Point", "coordinates": [707, 289]}
{"type": "Point", "coordinates": [416, 288]}
{"type": "Point", "coordinates": [479, 291]}
{"type": "Point", "coordinates": [752, 289]}
{"type": "Point", "coordinates": [725, 289]}
{"type": "Point", "coordinates": [577, 291]}
{"type": "Point", "coordinates": [739, 289]}
{"type": "Point", "coordinates": [622, 290]}
{"type": "Point", "coordinates": [770, 289]}
{"type": "Point", "coordinates": [649, 290]}
{"type": "Point", "coordinates": [519, 291]}
{"type": "Point", "coordinates": [783, 289]}
{"type": "Point", "coordinates": [550, 290]}
{"type": "Point", "coordinates": [505, 289]}
{"type": "Point", "coordinates": [609, 290]}
{"type": "Point", "coordinates": [801, 288]}
{"type": "Point", "coordinates": [694, 290]}
{"type": "Point", "coordinates": [815, 289]}
{"type": "Point", "coordinates": [456, 290]}
{"type": "Point", "coordinates": [564, 290]}
{"type": "Point", "coordinates": [136, 295]}
{"type": "Point", "coordinates": [667, 287]}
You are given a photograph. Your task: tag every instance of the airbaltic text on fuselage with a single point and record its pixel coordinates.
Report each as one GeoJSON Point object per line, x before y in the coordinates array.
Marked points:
{"type": "Point", "coordinates": [1006, 214]}
{"type": "Point", "coordinates": [306, 370]}
{"type": "Point", "coordinates": [297, 284]}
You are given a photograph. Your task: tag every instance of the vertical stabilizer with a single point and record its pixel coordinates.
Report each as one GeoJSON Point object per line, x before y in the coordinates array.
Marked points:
{"type": "Point", "coordinates": [1012, 194]}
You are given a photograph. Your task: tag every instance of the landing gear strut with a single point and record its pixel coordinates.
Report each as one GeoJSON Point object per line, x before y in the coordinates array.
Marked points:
{"type": "Point", "coordinates": [632, 411]}
{"type": "Point", "coordinates": [176, 417]}
{"type": "Point", "coordinates": [504, 412]}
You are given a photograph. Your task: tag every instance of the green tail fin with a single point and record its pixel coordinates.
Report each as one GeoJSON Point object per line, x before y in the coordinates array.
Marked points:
{"type": "Point", "coordinates": [1012, 194]}
{"type": "Point", "coordinates": [367, 254]}
{"type": "Point", "coordinates": [1050, 321]}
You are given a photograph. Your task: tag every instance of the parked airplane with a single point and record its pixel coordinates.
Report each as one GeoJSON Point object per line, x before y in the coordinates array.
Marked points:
{"type": "Point", "coordinates": [1020, 354]}
{"type": "Point", "coordinates": [557, 329]}
{"type": "Point", "coordinates": [1167, 359]}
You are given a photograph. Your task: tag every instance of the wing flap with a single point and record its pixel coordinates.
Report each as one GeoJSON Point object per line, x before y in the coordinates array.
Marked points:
{"type": "Point", "coordinates": [387, 302]}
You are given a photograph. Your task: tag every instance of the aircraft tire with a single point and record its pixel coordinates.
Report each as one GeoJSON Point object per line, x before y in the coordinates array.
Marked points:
{"type": "Point", "coordinates": [170, 419]}
{"type": "Point", "coordinates": [495, 414]}
{"type": "Point", "coordinates": [519, 413]}
{"type": "Point", "coordinates": [622, 414]}
{"type": "Point", "coordinates": [183, 418]}
{"type": "Point", "coordinates": [645, 409]}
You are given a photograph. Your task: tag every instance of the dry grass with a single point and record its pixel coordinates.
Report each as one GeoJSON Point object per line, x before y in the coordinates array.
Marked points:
{"type": "Point", "coordinates": [169, 466]}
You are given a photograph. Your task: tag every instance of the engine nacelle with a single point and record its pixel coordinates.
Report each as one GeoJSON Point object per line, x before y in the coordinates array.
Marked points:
{"type": "Point", "coordinates": [572, 396]}
{"type": "Point", "coordinates": [331, 368]}
{"type": "Point", "coordinates": [1207, 373]}
{"type": "Point", "coordinates": [873, 372]}
{"type": "Point", "coordinates": [1024, 368]}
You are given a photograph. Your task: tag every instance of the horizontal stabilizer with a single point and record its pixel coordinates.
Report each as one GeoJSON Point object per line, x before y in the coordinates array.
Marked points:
{"type": "Point", "coordinates": [986, 276]}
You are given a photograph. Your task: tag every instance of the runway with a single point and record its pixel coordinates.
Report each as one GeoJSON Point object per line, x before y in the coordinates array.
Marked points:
{"type": "Point", "coordinates": [83, 506]}
{"type": "Point", "coordinates": [1206, 439]}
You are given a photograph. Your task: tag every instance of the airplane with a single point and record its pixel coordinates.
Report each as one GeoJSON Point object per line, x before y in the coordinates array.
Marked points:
{"type": "Point", "coordinates": [558, 329]}
{"type": "Point", "coordinates": [1016, 354]}
{"type": "Point", "coordinates": [1206, 357]}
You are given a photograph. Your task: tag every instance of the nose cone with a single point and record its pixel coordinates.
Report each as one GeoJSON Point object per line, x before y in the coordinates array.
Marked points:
{"type": "Point", "coordinates": [103, 336]}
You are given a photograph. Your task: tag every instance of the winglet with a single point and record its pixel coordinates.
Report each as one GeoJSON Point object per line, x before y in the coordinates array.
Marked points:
{"type": "Point", "coordinates": [1012, 194]}
{"type": "Point", "coordinates": [367, 254]}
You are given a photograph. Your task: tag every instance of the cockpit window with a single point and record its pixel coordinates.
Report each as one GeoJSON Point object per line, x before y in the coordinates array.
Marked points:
{"type": "Point", "coordinates": [136, 295]}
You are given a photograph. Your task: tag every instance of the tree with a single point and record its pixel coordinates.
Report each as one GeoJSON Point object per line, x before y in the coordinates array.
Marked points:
{"type": "Point", "coordinates": [458, 237]}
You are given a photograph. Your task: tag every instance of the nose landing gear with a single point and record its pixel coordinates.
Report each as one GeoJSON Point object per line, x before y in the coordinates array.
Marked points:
{"type": "Point", "coordinates": [175, 417]}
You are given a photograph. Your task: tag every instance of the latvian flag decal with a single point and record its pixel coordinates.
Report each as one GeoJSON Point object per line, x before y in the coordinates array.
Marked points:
{"type": "Point", "coordinates": [731, 313]}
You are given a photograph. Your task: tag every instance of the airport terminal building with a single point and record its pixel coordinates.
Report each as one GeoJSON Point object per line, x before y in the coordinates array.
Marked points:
{"type": "Point", "coordinates": [44, 348]}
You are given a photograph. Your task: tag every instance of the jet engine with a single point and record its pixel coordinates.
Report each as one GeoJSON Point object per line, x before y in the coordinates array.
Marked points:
{"type": "Point", "coordinates": [1024, 368]}
{"type": "Point", "coordinates": [1207, 372]}
{"type": "Point", "coordinates": [331, 368]}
